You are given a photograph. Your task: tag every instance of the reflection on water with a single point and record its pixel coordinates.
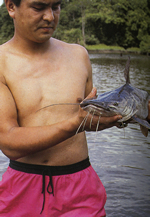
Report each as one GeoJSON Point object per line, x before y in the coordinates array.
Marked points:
{"type": "Point", "coordinates": [120, 157]}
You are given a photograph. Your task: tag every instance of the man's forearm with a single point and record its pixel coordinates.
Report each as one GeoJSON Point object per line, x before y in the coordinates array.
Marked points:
{"type": "Point", "coordinates": [22, 141]}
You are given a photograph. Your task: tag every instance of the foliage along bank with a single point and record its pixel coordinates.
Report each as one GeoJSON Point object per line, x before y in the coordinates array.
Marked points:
{"type": "Point", "coordinates": [111, 22]}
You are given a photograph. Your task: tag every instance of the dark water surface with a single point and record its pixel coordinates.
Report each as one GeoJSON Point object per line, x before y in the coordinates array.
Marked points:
{"type": "Point", "coordinates": [120, 157]}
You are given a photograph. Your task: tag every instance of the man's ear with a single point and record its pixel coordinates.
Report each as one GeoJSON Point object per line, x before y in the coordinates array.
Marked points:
{"type": "Point", "coordinates": [10, 8]}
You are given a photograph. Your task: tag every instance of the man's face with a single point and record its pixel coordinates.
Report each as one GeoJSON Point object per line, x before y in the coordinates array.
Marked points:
{"type": "Point", "coordinates": [36, 20]}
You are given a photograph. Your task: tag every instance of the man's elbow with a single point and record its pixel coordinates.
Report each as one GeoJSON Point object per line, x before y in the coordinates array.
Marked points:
{"type": "Point", "coordinates": [11, 154]}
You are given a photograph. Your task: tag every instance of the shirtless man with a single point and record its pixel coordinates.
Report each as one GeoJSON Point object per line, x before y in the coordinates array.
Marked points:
{"type": "Point", "coordinates": [49, 172]}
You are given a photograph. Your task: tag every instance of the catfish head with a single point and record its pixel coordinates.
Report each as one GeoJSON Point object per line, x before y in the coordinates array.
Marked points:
{"type": "Point", "coordinates": [110, 104]}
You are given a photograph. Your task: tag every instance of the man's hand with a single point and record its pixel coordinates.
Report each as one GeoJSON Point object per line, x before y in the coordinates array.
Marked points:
{"type": "Point", "coordinates": [93, 122]}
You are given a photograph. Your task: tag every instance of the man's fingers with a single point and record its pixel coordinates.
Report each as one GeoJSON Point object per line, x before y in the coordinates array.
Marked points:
{"type": "Point", "coordinates": [104, 122]}
{"type": "Point", "coordinates": [113, 119]}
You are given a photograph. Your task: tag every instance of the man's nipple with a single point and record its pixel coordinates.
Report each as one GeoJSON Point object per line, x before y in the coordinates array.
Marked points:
{"type": "Point", "coordinates": [79, 100]}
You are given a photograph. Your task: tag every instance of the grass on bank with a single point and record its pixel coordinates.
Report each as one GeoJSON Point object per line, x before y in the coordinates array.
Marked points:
{"type": "Point", "coordinates": [111, 48]}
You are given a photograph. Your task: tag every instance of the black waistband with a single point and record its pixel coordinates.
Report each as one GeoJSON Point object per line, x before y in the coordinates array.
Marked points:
{"type": "Point", "coordinates": [54, 170]}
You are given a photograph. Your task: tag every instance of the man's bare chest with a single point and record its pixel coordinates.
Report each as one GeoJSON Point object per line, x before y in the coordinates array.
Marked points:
{"type": "Point", "coordinates": [35, 86]}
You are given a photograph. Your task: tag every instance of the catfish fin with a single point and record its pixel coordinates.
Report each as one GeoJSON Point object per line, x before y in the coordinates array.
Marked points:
{"type": "Point", "coordinates": [144, 130]}
{"type": "Point", "coordinates": [126, 71]}
{"type": "Point", "coordinates": [142, 122]}
{"type": "Point", "coordinates": [144, 125]}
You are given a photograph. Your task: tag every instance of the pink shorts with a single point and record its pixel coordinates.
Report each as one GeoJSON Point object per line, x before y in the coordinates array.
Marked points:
{"type": "Point", "coordinates": [51, 191]}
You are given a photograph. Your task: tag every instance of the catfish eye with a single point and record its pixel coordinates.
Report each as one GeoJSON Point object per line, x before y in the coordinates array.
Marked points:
{"type": "Point", "coordinates": [115, 104]}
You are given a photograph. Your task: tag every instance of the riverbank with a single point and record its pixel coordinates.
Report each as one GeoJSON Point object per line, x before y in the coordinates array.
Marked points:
{"type": "Point", "coordinates": [102, 48]}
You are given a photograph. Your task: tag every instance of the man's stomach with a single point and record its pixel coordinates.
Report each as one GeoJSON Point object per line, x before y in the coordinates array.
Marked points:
{"type": "Point", "coordinates": [68, 152]}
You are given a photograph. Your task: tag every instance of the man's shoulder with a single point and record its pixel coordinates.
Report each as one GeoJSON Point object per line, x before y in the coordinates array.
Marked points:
{"type": "Point", "coordinates": [2, 55]}
{"type": "Point", "coordinates": [73, 48]}
{"type": "Point", "coordinates": [2, 62]}
{"type": "Point", "coordinates": [4, 49]}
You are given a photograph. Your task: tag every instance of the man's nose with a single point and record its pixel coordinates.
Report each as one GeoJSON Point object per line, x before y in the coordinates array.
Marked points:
{"type": "Point", "coordinates": [48, 15]}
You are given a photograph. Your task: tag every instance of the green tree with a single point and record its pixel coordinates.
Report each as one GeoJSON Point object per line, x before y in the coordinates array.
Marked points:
{"type": "Point", "coordinates": [74, 16]}
{"type": "Point", "coordinates": [145, 44]}
{"type": "Point", "coordinates": [6, 25]}
{"type": "Point", "coordinates": [137, 22]}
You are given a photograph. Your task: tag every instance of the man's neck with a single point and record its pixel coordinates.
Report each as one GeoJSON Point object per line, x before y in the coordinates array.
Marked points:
{"type": "Point", "coordinates": [30, 47]}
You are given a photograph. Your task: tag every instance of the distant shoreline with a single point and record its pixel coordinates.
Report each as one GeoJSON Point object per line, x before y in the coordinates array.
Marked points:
{"type": "Point", "coordinates": [121, 52]}
{"type": "Point", "coordinates": [102, 48]}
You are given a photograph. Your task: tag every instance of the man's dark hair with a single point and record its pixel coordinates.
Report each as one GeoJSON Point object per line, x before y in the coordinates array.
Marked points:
{"type": "Point", "coordinates": [16, 2]}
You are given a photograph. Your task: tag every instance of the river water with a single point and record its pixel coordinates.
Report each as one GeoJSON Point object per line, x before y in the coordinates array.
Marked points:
{"type": "Point", "coordinates": [121, 157]}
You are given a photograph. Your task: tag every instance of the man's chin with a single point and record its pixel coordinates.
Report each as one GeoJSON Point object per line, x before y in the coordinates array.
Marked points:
{"type": "Point", "coordinates": [43, 39]}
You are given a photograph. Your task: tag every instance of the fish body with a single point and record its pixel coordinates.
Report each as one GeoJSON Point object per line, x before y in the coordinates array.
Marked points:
{"type": "Point", "coordinates": [128, 101]}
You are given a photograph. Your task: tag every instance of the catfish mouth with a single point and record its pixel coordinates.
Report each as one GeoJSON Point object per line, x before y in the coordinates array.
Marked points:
{"type": "Point", "coordinates": [96, 105]}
